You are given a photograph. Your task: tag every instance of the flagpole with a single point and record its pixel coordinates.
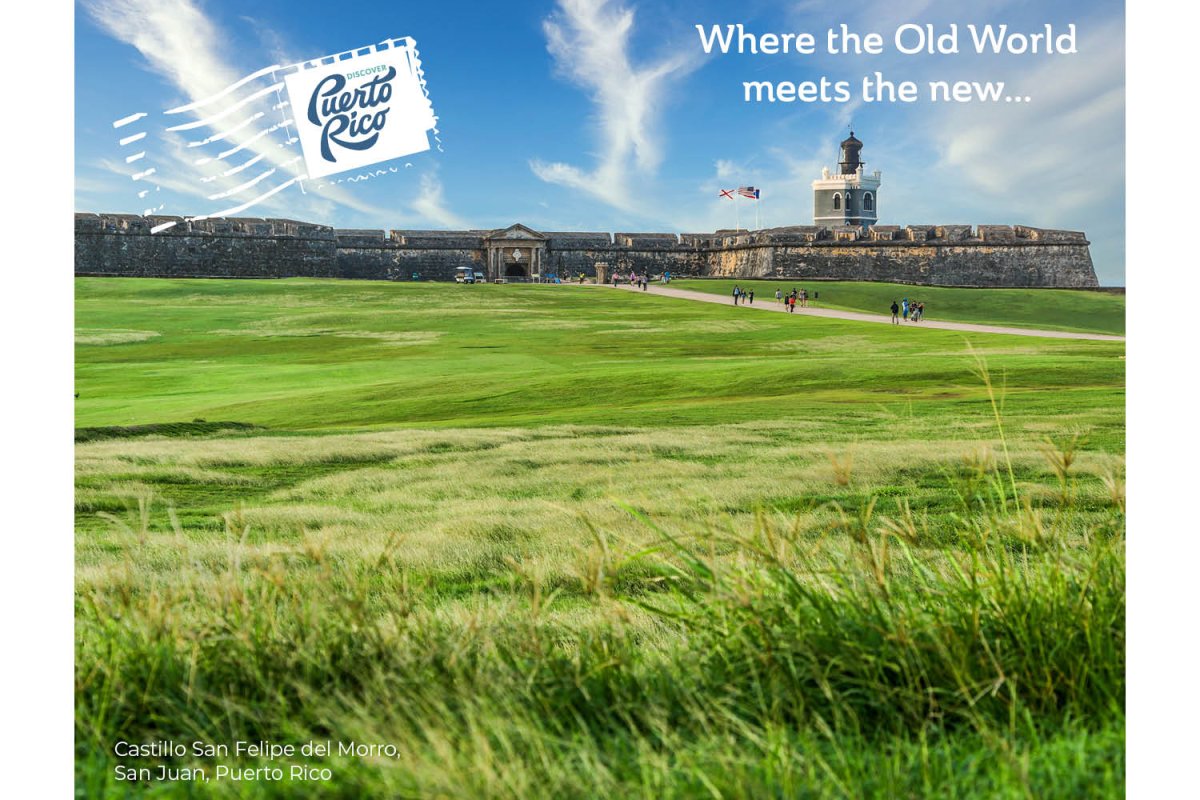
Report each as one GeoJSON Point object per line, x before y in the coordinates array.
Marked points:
{"type": "Point", "coordinates": [757, 225]}
{"type": "Point", "coordinates": [737, 217]}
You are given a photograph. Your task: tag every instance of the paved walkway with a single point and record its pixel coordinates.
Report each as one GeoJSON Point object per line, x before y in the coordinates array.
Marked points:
{"type": "Point", "coordinates": [768, 304]}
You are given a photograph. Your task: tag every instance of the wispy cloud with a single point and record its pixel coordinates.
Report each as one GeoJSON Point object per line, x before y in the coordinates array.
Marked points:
{"type": "Point", "coordinates": [431, 203]}
{"type": "Point", "coordinates": [177, 40]}
{"type": "Point", "coordinates": [590, 42]}
{"type": "Point", "coordinates": [1067, 145]}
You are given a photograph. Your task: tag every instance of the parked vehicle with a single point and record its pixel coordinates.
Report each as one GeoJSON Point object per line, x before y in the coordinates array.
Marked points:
{"type": "Point", "coordinates": [467, 275]}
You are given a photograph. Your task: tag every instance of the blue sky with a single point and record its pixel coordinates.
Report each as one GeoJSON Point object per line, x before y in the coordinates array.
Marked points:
{"type": "Point", "coordinates": [596, 115]}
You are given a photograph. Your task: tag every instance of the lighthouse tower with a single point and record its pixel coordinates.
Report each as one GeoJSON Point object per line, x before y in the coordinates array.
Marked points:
{"type": "Point", "coordinates": [849, 196]}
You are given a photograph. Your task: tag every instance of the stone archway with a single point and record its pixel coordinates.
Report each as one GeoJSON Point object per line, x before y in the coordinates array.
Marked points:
{"type": "Point", "coordinates": [514, 253]}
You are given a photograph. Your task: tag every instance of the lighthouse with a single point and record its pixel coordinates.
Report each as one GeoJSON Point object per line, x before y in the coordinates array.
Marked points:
{"type": "Point", "coordinates": [849, 196]}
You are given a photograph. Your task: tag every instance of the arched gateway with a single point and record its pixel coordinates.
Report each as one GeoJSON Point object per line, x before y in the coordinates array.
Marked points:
{"type": "Point", "coordinates": [514, 253]}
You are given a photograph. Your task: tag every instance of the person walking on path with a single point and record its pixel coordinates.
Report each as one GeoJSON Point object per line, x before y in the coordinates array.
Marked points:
{"type": "Point", "coordinates": [737, 292]}
{"type": "Point", "coordinates": [791, 303]}
{"type": "Point", "coordinates": [779, 295]}
{"type": "Point", "coordinates": [751, 296]}
{"type": "Point", "coordinates": [645, 281]}
{"type": "Point", "coordinates": [895, 313]}
{"type": "Point", "coordinates": [904, 308]}
{"type": "Point", "coordinates": [921, 310]}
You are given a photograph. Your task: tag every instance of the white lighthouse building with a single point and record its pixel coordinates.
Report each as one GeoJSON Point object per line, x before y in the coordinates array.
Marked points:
{"type": "Point", "coordinates": [849, 196]}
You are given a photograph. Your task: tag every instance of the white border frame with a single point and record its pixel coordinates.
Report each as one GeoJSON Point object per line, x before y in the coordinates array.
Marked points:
{"type": "Point", "coordinates": [37, 579]}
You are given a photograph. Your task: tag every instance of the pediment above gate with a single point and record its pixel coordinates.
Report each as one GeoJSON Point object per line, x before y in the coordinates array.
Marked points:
{"type": "Point", "coordinates": [512, 233]}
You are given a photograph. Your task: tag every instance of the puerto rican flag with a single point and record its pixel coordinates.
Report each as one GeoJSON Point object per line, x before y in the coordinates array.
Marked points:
{"type": "Point", "coordinates": [748, 191]}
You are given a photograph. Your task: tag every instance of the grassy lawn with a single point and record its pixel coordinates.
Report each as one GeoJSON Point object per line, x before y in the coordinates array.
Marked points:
{"type": "Point", "coordinates": [313, 355]}
{"type": "Point", "coordinates": [1050, 309]}
{"type": "Point", "coordinates": [569, 542]}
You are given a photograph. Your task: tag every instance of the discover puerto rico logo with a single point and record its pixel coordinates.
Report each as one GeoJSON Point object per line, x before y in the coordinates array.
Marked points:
{"type": "Point", "coordinates": [359, 110]}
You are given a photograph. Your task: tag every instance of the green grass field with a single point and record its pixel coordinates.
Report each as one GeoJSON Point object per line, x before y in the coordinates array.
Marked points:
{"type": "Point", "coordinates": [1049, 309]}
{"type": "Point", "coordinates": [571, 542]}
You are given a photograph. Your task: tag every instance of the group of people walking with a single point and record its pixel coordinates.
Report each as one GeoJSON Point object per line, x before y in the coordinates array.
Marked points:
{"type": "Point", "coordinates": [743, 296]}
{"type": "Point", "coordinates": [635, 280]}
{"type": "Point", "coordinates": [910, 311]}
{"type": "Point", "coordinates": [796, 297]}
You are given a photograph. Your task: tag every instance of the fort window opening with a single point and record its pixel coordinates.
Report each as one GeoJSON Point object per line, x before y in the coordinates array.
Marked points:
{"type": "Point", "coordinates": [837, 202]}
{"type": "Point", "coordinates": [868, 203]}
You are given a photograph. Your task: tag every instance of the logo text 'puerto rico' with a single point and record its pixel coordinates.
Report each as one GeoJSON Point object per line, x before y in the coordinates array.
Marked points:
{"type": "Point", "coordinates": [353, 118]}
{"type": "Point", "coordinates": [367, 108]}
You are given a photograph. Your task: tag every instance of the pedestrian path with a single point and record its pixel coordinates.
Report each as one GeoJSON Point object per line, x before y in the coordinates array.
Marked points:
{"type": "Point", "coordinates": [768, 304]}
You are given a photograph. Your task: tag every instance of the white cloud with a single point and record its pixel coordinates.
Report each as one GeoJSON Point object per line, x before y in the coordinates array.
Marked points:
{"type": "Point", "coordinates": [431, 204]}
{"type": "Point", "coordinates": [1067, 144]}
{"type": "Point", "coordinates": [174, 36]}
{"type": "Point", "coordinates": [727, 169]}
{"type": "Point", "coordinates": [590, 42]}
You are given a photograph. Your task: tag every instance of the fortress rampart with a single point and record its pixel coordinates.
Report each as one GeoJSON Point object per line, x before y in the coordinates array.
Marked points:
{"type": "Point", "coordinates": [944, 255]}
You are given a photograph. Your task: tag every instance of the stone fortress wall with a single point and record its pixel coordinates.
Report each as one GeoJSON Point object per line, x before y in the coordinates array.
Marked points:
{"type": "Point", "coordinates": [941, 255]}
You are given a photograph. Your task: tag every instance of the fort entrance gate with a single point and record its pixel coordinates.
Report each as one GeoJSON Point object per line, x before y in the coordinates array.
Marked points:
{"type": "Point", "coordinates": [514, 253]}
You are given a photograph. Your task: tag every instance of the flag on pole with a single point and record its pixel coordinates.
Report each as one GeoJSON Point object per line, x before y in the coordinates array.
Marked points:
{"type": "Point", "coordinates": [727, 194]}
{"type": "Point", "coordinates": [748, 191]}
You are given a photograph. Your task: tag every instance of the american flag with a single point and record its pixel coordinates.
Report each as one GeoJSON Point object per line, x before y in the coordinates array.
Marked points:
{"type": "Point", "coordinates": [748, 191]}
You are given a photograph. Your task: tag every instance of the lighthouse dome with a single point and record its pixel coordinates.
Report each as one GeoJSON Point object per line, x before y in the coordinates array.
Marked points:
{"type": "Point", "coordinates": [850, 161]}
